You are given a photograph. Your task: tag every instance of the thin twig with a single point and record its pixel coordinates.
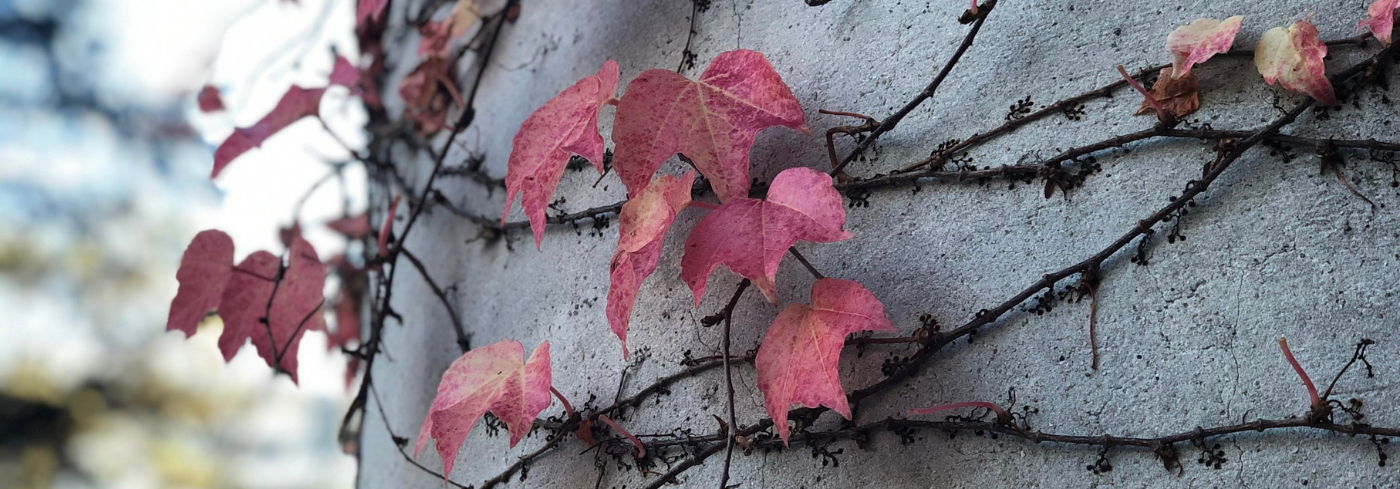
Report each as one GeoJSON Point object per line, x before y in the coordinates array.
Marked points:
{"type": "Point", "coordinates": [1358, 354]}
{"type": "Point", "coordinates": [729, 380]}
{"type": "Point", "coordinates": [462, 341]}
{"type": "Point", "coordinates": [893, 120]}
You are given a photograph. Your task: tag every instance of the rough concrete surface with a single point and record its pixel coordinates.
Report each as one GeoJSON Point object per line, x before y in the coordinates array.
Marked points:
{"type": "Point", "coordinates": [1273, 249]}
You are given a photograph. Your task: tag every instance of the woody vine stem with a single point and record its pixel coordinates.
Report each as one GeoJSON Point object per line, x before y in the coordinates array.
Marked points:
{"type": "Point", "coordinates": [1064, 171]}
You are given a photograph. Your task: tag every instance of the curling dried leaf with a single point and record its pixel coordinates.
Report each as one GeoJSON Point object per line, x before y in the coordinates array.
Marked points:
{"type": "Point", "coordinates": [1180, 96]}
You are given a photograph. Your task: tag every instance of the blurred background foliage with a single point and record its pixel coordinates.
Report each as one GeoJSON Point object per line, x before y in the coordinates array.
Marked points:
{"type": "Point", "coordinates": [104, 163]}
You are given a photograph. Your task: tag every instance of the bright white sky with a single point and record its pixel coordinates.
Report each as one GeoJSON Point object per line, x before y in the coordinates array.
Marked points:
{"type": "Point", "coordinates": [153, 51]}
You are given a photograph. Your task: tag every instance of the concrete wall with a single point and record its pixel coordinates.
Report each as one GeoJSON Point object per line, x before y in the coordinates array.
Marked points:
{"type": "Point", "coordinates": [1274, 249]}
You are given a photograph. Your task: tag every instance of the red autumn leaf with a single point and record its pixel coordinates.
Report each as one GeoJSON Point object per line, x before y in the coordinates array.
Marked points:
{"type": "Point", "coordinates": [1380, 19]}
{"type": "Point", "coordinates": [494, 378]}
{"type": "Point", "coordinates": [712, 121]}
{"type": "Point", "coordinates": [356, 227]}
{"type": "Point", "coordinates": [797, 360]}
{"type": "Point", "coordinates": [204, 272]}
{"type": "Point", "coordinates": [751, 236]}
{"type": "Point", "coordinates": [345, 74]}
{"type": "Point", "coordinates": [565, 125]}
{"type": "Point", "coordinates": [273, 314]}
{"type": "Point", "coordinates": [285, 233]}
{"type": "Point", "coordinates": [642, 225]}
{"type": "Point", "coordinates": [368, 10]}
{"type": "Point", "coordinates": [1293, 56]}
{"type": "Point", "coordinates": [298, 102]}
{"type": "Point", "coordinates": [1198, 41]}
{"type": "Point", "coordinates": [438, 34]}
{"type": "Point", "coordinates": [426, 92]}
{"type": "Point", "coordinates": [209, 100]}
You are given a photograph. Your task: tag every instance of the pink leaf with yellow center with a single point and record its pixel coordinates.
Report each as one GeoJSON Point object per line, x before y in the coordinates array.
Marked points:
{"type": "Point", "coordinates": [1198, 41]}
{"type": "Point", "coordinates": [642, 225]}
{"type": "Point", "coordinates": [797, 361]}
{"type": "Point", "coordinates": [1380, 19]}
{"type": "Point", "coordinates": [1293, 57]}
{"type": "Point", "coordinates": [711, 121]}
{"type": "Point", "coordinates": [751, 236]}
{"type": "Point", "coordinates": [494, 378]}
{"type": "Point", "coordinates": [565, 125]}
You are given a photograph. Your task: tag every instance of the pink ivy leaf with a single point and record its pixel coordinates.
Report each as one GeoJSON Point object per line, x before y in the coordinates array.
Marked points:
{"type": "Point", "coordinates": [751, 236]}
{"type": "Point", "coordinates": [295, 306]}
{"type": "Point", "coordinates": [298, 102]}
{"type": "Point", "coordinates": [1380, 19]}
{"type": "Point", "coordinates": [1293, 56]}
{"type": "Point", "coordinates": [494, 378]}
{"type": "Point", "coordinates": [369, 10]}
{"type": "Point", "coordinates": [286, 233]}
{"type": "Point", "coordinates": [712, 121]}
{"type": "Point", "coordinates": [345, 74]}
{"type": "Point", "coordinates": [204, 273]}
{"type": "Point", "coordinates": [642, 225]}
{"type": "Point", "coordinates": [565, 125]}
{"type": "Point", "coordinates": [797, 361]}
{"type": "Point", "coordinates": [1196, 42]}
{"type": "Point", "coordinates": [355, 227]}
{"type": "Point", "coordinates": [209, 100]}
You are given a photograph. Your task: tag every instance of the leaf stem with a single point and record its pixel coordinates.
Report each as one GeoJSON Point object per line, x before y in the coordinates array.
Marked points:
{"type": "Point", "coordinates": [1307, 382]}
{"type": "Point", "coordinates": [641, 449]}
{"type": "Point", "coordinates": [1161, 111]}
